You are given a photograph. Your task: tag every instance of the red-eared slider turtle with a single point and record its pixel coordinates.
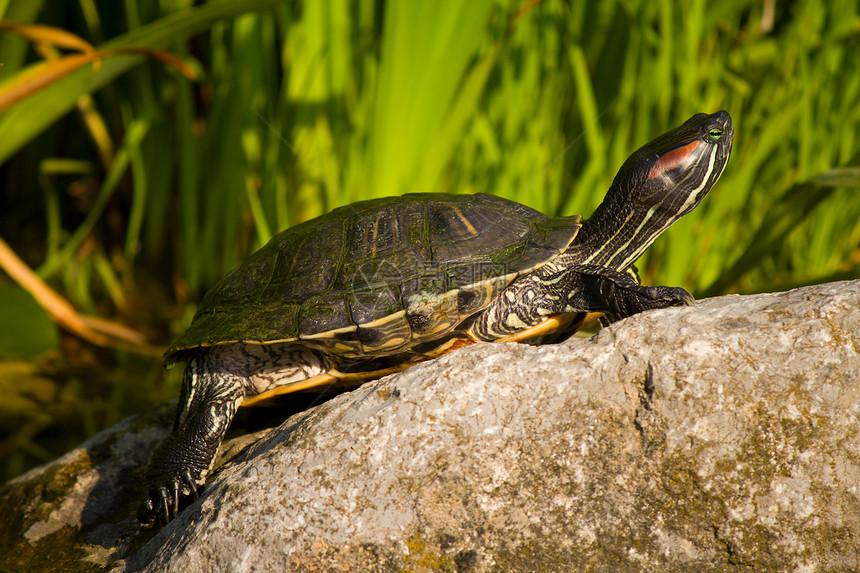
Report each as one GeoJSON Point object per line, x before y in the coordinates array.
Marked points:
{"type": "Point", "coordinates": [376, 286]}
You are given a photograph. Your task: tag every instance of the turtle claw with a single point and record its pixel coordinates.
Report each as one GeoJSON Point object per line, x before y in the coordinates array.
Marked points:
{"type": "Point", "coordinates": [165, 506]}
{"type": "Point", "coordinates": [154, 508]}
{"type": "Point", "coordinates": [673, 296]}
{"type": "Point", "coordinates": [191, 484]}
{"type": "Point", "coordinates": [632, 299]}
{"type": "Point", "coordinates": [161, 504]}
{"type": "Point", "coordinates": [174, 498]}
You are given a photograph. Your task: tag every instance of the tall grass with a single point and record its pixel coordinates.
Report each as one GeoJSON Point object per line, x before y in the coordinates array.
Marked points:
{"type": "Point", "coordinates": [307, 106]}
{"type": "Point", "coordinates": [160, 184]}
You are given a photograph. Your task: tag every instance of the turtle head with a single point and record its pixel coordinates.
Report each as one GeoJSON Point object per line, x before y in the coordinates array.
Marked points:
{"type": "Point", "coordinates": [661, 182]}
{"type": "Point", "coordinates": [673, 173]}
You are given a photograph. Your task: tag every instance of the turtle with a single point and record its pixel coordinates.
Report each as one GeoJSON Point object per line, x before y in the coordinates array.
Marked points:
{"type": "Point", "coordinates": [374, 287]}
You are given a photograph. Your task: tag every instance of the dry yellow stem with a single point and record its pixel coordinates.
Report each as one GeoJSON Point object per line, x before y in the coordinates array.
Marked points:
{"type": "Point", "coordinates": [96, 330]}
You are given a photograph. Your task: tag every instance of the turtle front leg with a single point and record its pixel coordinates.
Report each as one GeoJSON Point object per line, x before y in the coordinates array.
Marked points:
{"type": "Point", "coordinates": [618, 296]}
{"type": "Point", "coordinates": [179, 465]}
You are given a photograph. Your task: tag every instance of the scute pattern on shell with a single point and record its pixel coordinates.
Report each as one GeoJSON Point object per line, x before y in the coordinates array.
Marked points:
{"type": "Point", "coordinates": [370, 260]}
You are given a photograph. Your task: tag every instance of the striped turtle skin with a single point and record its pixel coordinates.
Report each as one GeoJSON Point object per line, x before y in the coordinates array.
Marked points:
{"type": "Point", "coordinates": [374, 287]}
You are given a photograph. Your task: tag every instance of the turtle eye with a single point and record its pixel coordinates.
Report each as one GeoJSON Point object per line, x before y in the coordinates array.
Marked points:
{"type": "Point", "coordinates": [715, 134]}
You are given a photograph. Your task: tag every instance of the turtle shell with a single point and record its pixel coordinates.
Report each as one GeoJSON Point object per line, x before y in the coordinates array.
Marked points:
{"type": "Point", "coordinates": [378, 277]}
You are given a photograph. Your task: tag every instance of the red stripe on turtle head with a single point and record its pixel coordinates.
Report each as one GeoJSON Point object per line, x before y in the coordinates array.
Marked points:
{"type": "Point", "coordinates": [672, 159]}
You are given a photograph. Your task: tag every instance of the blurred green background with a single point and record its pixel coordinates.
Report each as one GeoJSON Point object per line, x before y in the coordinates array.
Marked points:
{"type": "Point", "coordinates": [129, 188]}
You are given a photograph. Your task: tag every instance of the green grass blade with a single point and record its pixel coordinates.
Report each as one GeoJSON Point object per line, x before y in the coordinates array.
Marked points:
{"type": "Point", "coordinates": [24, 121]}
{"type": "Point", "coordinates": [136, 133]}
{"type": "Point", "coordinates": [786, 214]}
{"type": "Point", "coordinates": [426, 51]}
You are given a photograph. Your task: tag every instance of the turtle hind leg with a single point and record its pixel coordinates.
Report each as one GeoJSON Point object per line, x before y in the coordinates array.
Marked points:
{"type": "Point", "coordinates": [618, 295]}
{"type": "Point", "coordinates": [179, 466]}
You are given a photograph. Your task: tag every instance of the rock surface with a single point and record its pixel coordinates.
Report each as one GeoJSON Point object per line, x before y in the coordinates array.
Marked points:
{"type": "Point", "coordinates": [719, 437]}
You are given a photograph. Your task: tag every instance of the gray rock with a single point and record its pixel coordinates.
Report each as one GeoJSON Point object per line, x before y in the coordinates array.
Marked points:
{"type": "Point", "coordinates": [719, 437]}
